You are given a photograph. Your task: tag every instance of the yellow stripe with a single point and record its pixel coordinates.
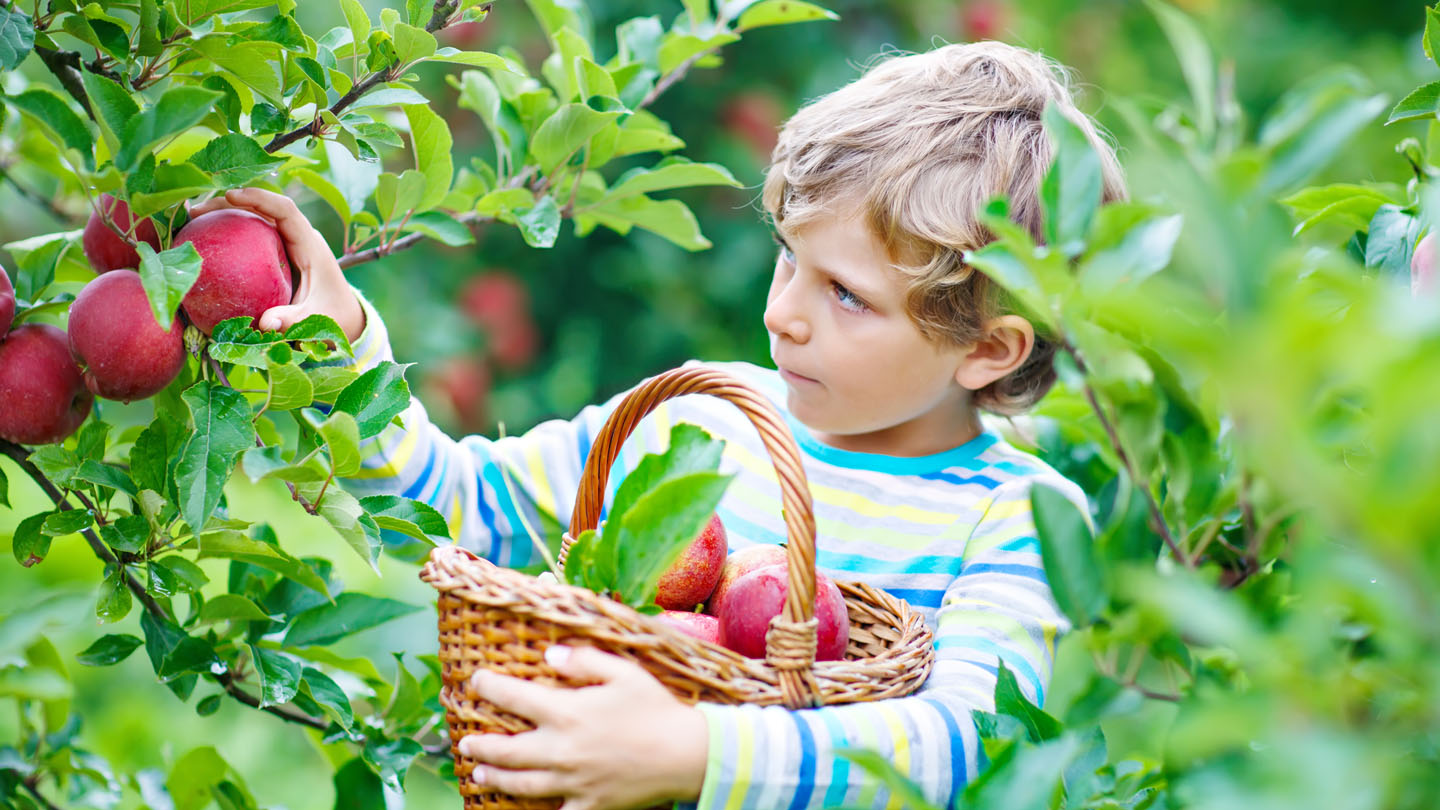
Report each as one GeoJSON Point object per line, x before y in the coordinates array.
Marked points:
{"type": "Point", "coordinates": [902, 749]}
{"type": "Point", "coordinates": [869, 738]}
{"type": "Point", "coordinates": [745, 753]}
{"type": "Point", "coordinates": [395, 463]}
{"type": "Point", "coordinates": [969, 619]}
{"type": "Point", "coordinates": [457, 515]}
{"type": "Point", "coordinates": [374, 349]}
{"type": "Point", "coordinates": [544, 494]}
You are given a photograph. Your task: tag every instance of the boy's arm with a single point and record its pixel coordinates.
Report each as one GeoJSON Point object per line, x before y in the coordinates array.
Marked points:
{"type": "Point", "coordinates": [999, 607]}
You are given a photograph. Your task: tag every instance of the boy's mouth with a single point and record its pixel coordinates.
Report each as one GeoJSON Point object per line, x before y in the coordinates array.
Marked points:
{"type": "Point", "coordinates": [792, 377]}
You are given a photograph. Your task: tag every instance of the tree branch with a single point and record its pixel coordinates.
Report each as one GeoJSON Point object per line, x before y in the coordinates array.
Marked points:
{"type": "Point", "coordinates": [35, 197]}
{"type": "Point", "coordinates": [1157, 518]}
{"type": "Point", "coordinates": [66, 67]}
{"type": "Point", "coordinates": [233, 690]}
{"type": "Point", "coordinates": [32, 785]}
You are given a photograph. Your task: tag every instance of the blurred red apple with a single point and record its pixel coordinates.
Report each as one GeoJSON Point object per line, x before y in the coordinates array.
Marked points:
{"type": "Point", "coordinates": [126, 355]}
{"type": "Point", "coordinates": [698, 625]}
{"type": "Point", "coordinates": [755, 118]}
{"type": "Point", "coordinates": [757, 597]}
{"type": "Point", "coordinates": [738, 565]}
{"type": "Point", "coordinates": [499, 304]}
{"type": "Point", "coordinates": [984, 19]}
{"type": "Point", "coordinates": [7, 303]}
{"type": "Point", "coordinates": [104, 248]}
{"type": "Point", "coordinates": [689, 581]}
{"type": "Point", "coordinates": [1425, 267]}
{"type": "Point", "coordinates": [243, 267]}
{"type": "Point", "coordinates": [464, 382]}
{"type": "Point", "coordinates": [42, 396]}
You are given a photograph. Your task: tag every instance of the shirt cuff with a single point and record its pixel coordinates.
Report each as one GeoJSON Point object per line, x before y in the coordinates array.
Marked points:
{"type": "Point", "coordinates": [718, 773]}
{"type": "Point", "coordinates": [372, 347]}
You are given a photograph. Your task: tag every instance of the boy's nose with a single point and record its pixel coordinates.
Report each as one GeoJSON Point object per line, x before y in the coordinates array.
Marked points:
{"type": "Point", "coordinates": [782, 318]}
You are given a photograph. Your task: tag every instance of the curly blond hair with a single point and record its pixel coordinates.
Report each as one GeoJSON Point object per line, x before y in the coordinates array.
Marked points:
{"type": "Point", "coordinates": [920, 143]}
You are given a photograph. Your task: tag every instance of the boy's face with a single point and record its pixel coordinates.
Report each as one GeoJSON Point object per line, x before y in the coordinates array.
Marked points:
{"type": "Point", "coordinates": [858, 371]}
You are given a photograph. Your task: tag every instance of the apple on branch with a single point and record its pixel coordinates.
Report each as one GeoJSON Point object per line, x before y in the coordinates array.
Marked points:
{"type": "Point", "coordinates": [125, 353]}
{"type": "Point", "coordinates": [243, 267]}
{"type": "Point", "coordinates": [104, 248]}
{"type": "Point", "coordinates": [42, 395]}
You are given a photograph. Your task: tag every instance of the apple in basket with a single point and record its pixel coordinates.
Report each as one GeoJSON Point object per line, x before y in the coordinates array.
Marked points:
{"type": "Point", "coordinates": [699, 625]}
{"type": "Point", "coordinates": [759, 596]}
{"type": "Point", "coordinates": [739, 564]}
{"type": "Point", "coordinates": [689, 581]}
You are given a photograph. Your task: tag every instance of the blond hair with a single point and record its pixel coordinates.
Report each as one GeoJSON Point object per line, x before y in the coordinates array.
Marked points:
{"type": "Point", "coordinates": [917, 146]}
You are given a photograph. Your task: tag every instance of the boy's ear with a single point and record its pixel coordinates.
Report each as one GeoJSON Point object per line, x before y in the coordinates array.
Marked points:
{"type": "Point", "coordinates": [1007, 343]}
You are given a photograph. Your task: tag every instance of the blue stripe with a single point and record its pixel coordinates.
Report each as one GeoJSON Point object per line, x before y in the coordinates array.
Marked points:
{"type": "Point", "coordinates": [1014, 660]}
{"type": "Point", "coordinates": [920, 597]}
{"type": "Point", "coordinates": [487, 515]}
{"type": "Point", "coordinates": [1022, 544]}
{"type": "Point", "coordinates": [983, 480]}
{"type": "Point", "coordinates": [1028, 571]}
{"type": "Point", "coordinates": [519, 552]}
{"type": "Point", "coordinates": [413, 491]}
{"type": "Point", "coordinates": [966, 456]}
{"type": "Point", "coordinates": [920, 564]}
{"type": "Point", "coordinates": [434, 496]}
{"type": "Point", "coordinates": [958, 775]}
{"type": "Point", "coordinates": [806, 778]}
{"type": "Point", "coordinates": [840, 767]}
{"type": "Point", "coordinates": [740, 527]}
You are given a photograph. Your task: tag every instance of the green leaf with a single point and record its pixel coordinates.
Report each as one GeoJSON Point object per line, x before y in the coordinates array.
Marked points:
{"type": "Point", "coordinates": [1312, 122]}
{"type": "Point", "coordinates": [358, 788]}
{"type": "Point", "coordinates": [670, 173]}
{"type": "Point", "coordinates": [342, 438]}
{"type": "Point", "coordinates": [1196, 61]}
{"type": "Point", "coordinates": [235, 160]}
{"type": "Point", "coordinates": [234, 545]}
{"type": "Point", "coordinates": [36, 260]}
{"type": "Point", "coordinates": [329, 696]}
{"type": "Point", "coordinates": [414, 518]}
{"type": "Point", "coordinates": [670, 219]}
{"type": "Point", "coordinates": [208, 706]}
{"type": "Point", "coordinates": [348, 614]}
{"type": "Point", "coordinates": [152, 459]}
{"type": "Point", "coordinates": [234, 341]}
{"type": "Point", "coordinates": [344, 514]}
{"type": "Point", "coordinates": [127, 534]}
{"type": "Point", "coordinates": [179, 109]}
{"type": "Point", "coordinates": [412, 43]}
{"type": "Point", "coordinates": [167, 276]}
{"type": "Point", "coordinates": [329, 381]}
{"type": "Point", "coordinates": [482, 59]}
{"type": "Point", "coordinates": [565, 132]}
{"type": "Point", "coordinates": [1009, 700]}
{"type": "Point", "coordinates": [441, 227]}
{"type": "Point", "coordinates": [54, 113]}
{"type": "Point", "coordinates": [231, 607]}
{"type": "Point", "coordinates": [901, 788]}
{"type": "Point", "coordinates": [654, 532]}
{"type": "Point", "coordinates": [1423, 102]}
{"type": "Point", "coordinates": [193, 777]}
{"type": "Point", "coordinates": [1350, 206]}
{"type": "Point", "coordinates": [113, 603]}
{"type": "Point", "coordinates": [1144, 251]}
{"type": "Point", "coordinates": [392, 759]}
{"type": "Point", "coordinates": [326, 190]}
{"type": "Point", "coordinates": [262, 463]}
{"type": "Point", "coordinates": [173, 184]}
{"type": "Point", "coordinates": [28, 543]}
{"type": "Point", "coordinates": [255, 64]}
{"type": "Point", "coordinates": [1391, 241]}
{"type": "Point", "coordinates": [1072, 188]}
{"type": "Point", "coordinates": [279, 675]}
{"type": "Point", "coordinates": [108, 650]}
{"type": "Point", "coordinates": [57, 463]}
{"type": "Point", "coordinates": [113, 105]}
{"type": "Point", "coordinates": [376, 397]}
{"type": "Point", "coordinates": [182, 574]}
{"type": "Point", "coordinates": [430, 137]}
{"type": "Point", "coordinates": [1068, 553]}
{"type": "Point", "coordinates": [193, 11]}
{"type": "Point", "coordinates": [67, 521]}
{"type": "Point", "coordinates": [396, 196]}
{"type": "Point", "coordinates": [17, 36]}
{"type": "Point", "coordinates": [289, 388]}
{"type": "Point", "coordinates": [357, 19]}
{"type": "Point", "coordinates": [540, 224]}
{"type": "Point", "coordinates": [676, 48]}
{"type": "Point", "coordinates": [782, 12]}
{"type": "Point", "coordinates": [223, 429]}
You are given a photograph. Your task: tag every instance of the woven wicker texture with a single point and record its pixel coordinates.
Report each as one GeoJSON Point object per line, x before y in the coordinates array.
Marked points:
{"type": "Point", "coordinates": [503, 620]}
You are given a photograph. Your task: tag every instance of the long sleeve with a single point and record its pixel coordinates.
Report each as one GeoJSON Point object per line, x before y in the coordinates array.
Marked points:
{"type": "Point", "coordinates": [495, 494]}
{"type": "Point", "coordinates": [999, 607]}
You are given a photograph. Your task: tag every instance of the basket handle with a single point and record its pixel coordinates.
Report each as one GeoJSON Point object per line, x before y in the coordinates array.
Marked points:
{"type": "Point", "coordinates": [790, 644]}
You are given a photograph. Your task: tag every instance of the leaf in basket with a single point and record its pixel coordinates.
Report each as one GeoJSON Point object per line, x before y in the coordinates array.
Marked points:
{"type": "Point", "coordinates": [691, 450]}
{"type": "Point", "coordinates": [580, 564]}
{"type": "Point", "coordinates": [654, 532]}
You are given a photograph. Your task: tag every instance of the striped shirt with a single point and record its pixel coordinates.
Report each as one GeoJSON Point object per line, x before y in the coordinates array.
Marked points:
{"type": "Point", "coordinates": [951, 533]}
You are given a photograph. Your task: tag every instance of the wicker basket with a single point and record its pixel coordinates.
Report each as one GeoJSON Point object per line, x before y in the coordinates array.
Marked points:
{"type": "Point", "coordinates": [504, 620]}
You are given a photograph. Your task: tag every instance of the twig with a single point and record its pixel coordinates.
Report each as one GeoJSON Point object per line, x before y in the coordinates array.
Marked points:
{"type": "Point", "coordinates": [232, 689]}
{"type": "Point", "coordinates": [1157, 518]}
{"type": "Point", "coordinates": [66, 67]}
{"type": "Point", "coordinates": [32, 785]}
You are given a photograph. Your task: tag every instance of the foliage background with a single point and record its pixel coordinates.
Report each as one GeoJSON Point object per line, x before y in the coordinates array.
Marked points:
{"type": "Point", "coordinates": [611, 310]}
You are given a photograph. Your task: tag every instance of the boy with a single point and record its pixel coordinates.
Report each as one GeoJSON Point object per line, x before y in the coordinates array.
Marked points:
{"type": "Point", "coordinates": [887, 346]}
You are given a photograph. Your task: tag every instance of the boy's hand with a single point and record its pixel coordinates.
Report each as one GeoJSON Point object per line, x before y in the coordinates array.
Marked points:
{"type": "Point", "coordinates": [625, 742]}
{"type": "Point", "coordinates": [322, 289]}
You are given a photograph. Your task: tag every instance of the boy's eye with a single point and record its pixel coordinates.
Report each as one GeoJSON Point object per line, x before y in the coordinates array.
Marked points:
{"type": "Point", "coordinates": [786, 254]}
{"type": "Point", "coordinates": [847, 299]}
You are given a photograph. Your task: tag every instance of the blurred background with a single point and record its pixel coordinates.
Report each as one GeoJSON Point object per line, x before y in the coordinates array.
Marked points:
{"type": "Point", "coordinates": [505, 336]}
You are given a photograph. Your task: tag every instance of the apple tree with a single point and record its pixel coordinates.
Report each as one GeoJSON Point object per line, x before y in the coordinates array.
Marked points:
{"type": "Point", "coordinates": [134, 111]}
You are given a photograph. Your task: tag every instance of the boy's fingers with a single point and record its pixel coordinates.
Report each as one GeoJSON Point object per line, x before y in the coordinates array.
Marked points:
{"type": "Point", "coordinates": [529, 700]}
{"type": "Point", "coordinates": [536, 784]}
{"type": "Point", "coordinates": [513, 751]}
{"type": "Point", "coordinates": [589, 664]}
{"type": "Point", "coordinates": [278, 319]}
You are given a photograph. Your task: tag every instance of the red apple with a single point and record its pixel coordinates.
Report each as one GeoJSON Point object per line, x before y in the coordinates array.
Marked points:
{"type": "Point", "coordinates": [42, 397]}
{"type": "Point", "coordinates": [738, 565]}
{"type": "Point", "coordinates": [984, 19]}
{"type": "Point", "coordinates": [499, 303]}
{"type": "Point", "coordinates": [755, 118]}
{"type": "Point", "coordinates": [698, 625]}
{"type": "Point", "coordinates": [689, 581]}
{"type": "Point", "coordinates": [113, 334]}
{"type": "Point", "coordinates": [104, 248]}
{"type": "Point", "coordinates": [465, 383]}
{"type": "Point", "coordinates": [759, 596]}
{"type": "Point", "coordinates": [7, 303]}
{"type": "Point", "coordinates": [243, 270]}
{"type": "Point", "coordinates": [1425, 267]}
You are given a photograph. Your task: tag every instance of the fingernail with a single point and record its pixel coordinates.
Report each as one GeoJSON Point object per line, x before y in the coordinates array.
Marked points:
{"type": "Point", "coordinates": [476, 678]}
{"type": "Point", "coordinates": [467, 747]}
{"type": "Point", "coordinates": [556, 655]}
{"type": "Point", "coordinates": [478, 775]}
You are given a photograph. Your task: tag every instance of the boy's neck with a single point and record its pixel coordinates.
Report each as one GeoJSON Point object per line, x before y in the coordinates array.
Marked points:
{"type": "Point", "coordinates": [913, 439]}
